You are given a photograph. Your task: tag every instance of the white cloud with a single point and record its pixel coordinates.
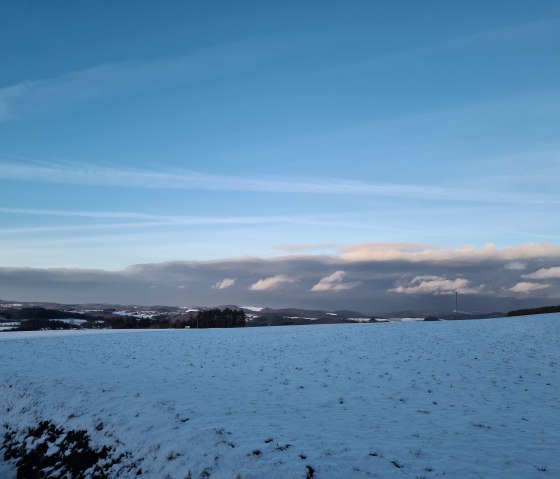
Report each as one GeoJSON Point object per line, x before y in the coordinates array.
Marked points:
{"type": "Point", "coordinates": [273, 282]}
{"type": "Point", "coordinates": [527, 287]}
{"type": "Point", "coordinates": [436, 285]}
{"type": "Point", "coordinates": [225, 283]}
{"type": "Point", "coordinates": [516, 266]}
{"type": "Point", "coordinates": [334, 282]}
{"type": "Point", "coordinates": [544, 273]}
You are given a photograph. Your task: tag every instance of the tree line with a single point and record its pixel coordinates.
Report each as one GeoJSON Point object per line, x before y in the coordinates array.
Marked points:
{"type": "Point", "coordinates": [34, 319]}
{"type": "Point", "coordinates": [218, 318]}
{"type": "Point", "coordinates": [37, 313]}
{"type": "Point", "coordinates": [543, 310]}
{"type": "Point", "coordinates": [209, 318]}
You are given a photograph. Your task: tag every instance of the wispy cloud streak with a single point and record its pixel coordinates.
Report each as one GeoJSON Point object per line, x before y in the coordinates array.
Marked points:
{"type": "Point", "coordinates": [539, 32]}
{"type": "Point", "coordinates": [168, 219]}
{"type": "Point", "coordinates": [33, 97]}
{"type": "Point", "coordinates": [83, 174]}
{"type": "Point", "coordinates": [151, 220]}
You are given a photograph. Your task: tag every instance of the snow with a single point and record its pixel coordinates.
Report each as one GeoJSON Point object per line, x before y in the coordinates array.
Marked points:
{"type": "Point", "coordinates": [255, 309]}
{"type": "Point", "coordinates": [123, 313]}
{"type": "Point", "coordinates": [74, 321]}
{"type": "Point", "coordinates": [67, 332]}
{"type": "Point", "coordinates": [460, 399]}
{"type": "Point", "coordinates": [8, 326]}
{"type": "Point", "coordinates": [138, 314]}
{"type": "Point", "coordinates": [405, 320]}
{"type": "Point", "coordinates": [7, 470]}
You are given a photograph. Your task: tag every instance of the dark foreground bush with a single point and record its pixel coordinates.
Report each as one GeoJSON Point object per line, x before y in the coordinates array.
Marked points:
{"type": "Point", "coordinates": [70, 453]}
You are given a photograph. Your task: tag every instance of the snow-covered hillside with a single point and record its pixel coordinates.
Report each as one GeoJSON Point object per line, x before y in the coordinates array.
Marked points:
{"type": "Point", "coordinates": [457, 399]}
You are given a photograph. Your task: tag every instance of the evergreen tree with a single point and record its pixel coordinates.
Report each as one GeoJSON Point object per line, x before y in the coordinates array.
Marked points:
{"type": "Point", "coordinates": [217, 318]}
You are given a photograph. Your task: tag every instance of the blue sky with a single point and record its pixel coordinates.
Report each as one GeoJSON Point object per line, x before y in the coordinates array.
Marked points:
{"type": "Point", "coordinates": [144, 132]}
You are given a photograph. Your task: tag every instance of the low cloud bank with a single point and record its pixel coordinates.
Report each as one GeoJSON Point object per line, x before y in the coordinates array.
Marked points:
{"type": "Point", "coordinates": [373, 277]}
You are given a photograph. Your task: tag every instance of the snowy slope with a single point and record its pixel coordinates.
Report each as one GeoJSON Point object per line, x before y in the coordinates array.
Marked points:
{"type": "Point", "coordinates": [465, 399]}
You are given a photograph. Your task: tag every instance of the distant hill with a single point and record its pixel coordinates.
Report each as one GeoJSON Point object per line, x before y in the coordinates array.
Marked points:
{"type": "Point", "coordinates": [543, 310]}
{"type": "Point", "coordinates": [36, 312]}
{"type": "Point", "coordinates": [448, 315]}
{"type": "Point", "coordinates": [256, 316]}
{"type": "Point", "coordinates": [297, 316]}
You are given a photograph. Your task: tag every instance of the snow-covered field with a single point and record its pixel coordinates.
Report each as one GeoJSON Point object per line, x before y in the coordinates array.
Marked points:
{"type": "Point", "coordinates": [463, 399]}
